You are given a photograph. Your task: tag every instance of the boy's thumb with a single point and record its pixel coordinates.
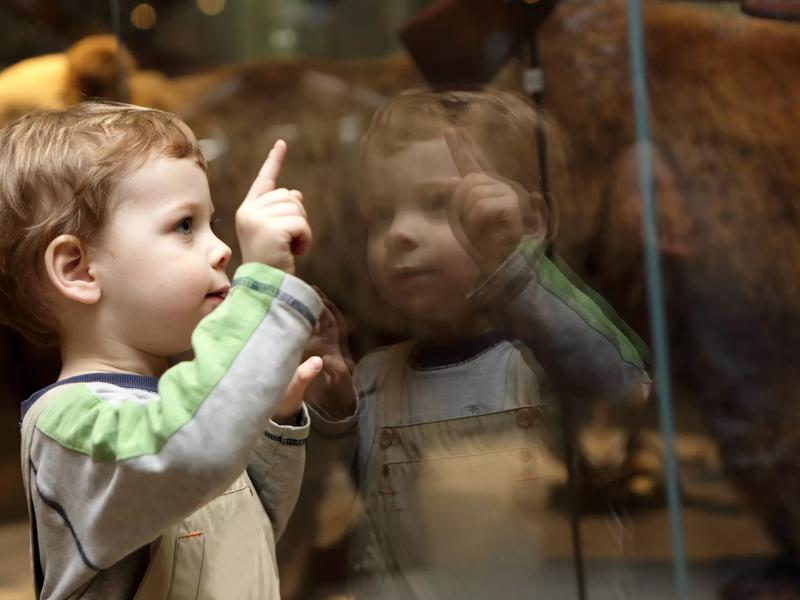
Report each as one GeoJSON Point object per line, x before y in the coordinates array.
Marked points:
{"type": "Point", "coordinates": [305, 374]}
{"type": "Point", "coordinates": [293, 397]}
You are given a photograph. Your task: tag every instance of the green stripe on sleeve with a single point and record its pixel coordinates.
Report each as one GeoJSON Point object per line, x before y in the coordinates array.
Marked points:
{"type": "Point", "coordinates": [79, 420]}
{"type": "Point", "coordinates": [556, 276]}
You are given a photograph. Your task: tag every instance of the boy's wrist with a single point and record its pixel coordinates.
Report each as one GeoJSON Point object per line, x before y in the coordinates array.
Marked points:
{"type": "Point", "coordinates": [338, 410]}
{"type": "Point", "coordinates": [330, 425]}
{"type": "Point", "coordinates": [292, 419]}
{"type": "Point", "coordinates": [293, 433]}
{"type": "Point", "coordinates": [504, 283]}
{"type": "Point", "coordinates": [260, 272]}
{"type": "Point", "coordinates": [337, 402]}
{"type": "Point", "coordinates": [271, 280]}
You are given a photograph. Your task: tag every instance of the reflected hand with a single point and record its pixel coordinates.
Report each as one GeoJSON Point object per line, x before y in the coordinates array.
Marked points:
{"type": "Point", "coordinates": [333, 392]}
{"type": "Point", "coordinates": [489, 214]}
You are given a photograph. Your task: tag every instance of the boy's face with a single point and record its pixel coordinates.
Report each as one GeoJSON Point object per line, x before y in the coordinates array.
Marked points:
{"type": "Point", "coordinates": [160, 264]}
{"type": "Point", "coordinates": [414, 259]}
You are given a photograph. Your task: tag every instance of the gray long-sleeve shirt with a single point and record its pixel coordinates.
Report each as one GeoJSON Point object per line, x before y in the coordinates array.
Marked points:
{"type": "Point", "coordinates": [112, 466]}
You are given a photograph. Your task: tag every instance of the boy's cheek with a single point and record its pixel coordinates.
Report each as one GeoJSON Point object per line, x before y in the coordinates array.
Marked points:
{"type": "Point", "coordinates": [376, 259]}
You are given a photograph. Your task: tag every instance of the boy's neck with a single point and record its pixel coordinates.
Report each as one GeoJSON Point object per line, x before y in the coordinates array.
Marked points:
{"type": "Point", "coordinates": [427, 355]}
{"type": "Point", "coordinates": [446, 333]}
{"type": "Point", "coordinates": [79, 357]}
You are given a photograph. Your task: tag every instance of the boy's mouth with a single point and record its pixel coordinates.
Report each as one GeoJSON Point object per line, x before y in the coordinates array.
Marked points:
{"type": "Point", "coordinates": [219, 293]}
{"type": "Point", "coordinates": [410, 272]}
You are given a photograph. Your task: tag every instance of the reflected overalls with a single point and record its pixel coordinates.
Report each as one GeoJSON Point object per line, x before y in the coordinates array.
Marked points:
{"type": "Point", "coordinates": [453, 505]}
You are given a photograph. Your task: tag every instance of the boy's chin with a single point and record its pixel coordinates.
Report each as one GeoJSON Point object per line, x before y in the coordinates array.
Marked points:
{"type": "Point", "coordinates": [181, 356]}
{"type": "Point", "coordinates": [425, 312]}
{"type": "Point", "coordinates": [435, 315]}
{"type": "Point", "coordinates": [177, 349]}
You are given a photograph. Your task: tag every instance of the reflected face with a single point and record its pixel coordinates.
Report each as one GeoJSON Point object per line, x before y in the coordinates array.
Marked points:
{"type": "Point", "coordinates": [414, 258]}
{"type": "Point", "coordinates": [161, 267]}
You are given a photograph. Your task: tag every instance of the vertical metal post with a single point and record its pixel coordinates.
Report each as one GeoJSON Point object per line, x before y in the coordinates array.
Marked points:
{"type": "Point", "coordinates": [116, 25]}
{"type": "Point", "coordinates": [655, 293]}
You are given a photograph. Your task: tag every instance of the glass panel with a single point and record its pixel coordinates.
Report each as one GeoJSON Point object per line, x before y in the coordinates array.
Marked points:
{"type": "Point", "coordinates": [480, 248]}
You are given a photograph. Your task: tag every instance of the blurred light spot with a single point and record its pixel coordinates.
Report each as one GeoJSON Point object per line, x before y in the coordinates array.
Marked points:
{"type": "Point", "coordinates": [287, 132]}
{"type": "Point", "coordinates": [349, 129]}
{"type": "Point", "coordinates": [283, 39]}
{"type": "Point", "coordinates": [211, 7]}
{"type": "Point", "coordinates": [367, 97]}
{"type": "Point", "coordinates": [322, 83]}
{"type": "Point", "coordinates": [143, 16]}
{"type": "Point", "coordinates": [212, 149]}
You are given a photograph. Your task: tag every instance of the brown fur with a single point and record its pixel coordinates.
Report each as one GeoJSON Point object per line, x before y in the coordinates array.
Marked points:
{"type": "Point", "coordinates": [725, 116]}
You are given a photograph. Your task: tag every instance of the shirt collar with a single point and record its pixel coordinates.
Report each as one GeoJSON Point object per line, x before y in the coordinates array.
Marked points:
{"type": "Point", "coordinates": [125, 380]}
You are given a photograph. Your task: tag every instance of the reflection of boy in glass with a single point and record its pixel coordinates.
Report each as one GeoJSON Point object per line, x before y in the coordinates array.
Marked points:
{"type": "Point", "coordinates": [449, 447]}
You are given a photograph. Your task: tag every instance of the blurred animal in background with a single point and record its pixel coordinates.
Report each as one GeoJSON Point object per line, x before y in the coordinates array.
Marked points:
{"type": "Point", "coordinates": [93, 67]}
{"type": "Point", "coordinates": [725, 119]}
{"type": "Point", "coordinates": [96, 66]}
{"type": "Point", "coordinates": [725, 116]}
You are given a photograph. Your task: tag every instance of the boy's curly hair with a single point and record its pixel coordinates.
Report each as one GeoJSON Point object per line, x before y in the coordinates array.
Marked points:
{"type": "Point", "coordinates": [58, 172]}
{"type": "Point", "coordinates": [503, 124]}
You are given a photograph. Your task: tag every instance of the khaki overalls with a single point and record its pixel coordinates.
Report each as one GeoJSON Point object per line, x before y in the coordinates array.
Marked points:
{"type": "Point", "coordinates": [451, 501]}
{"type": "Point", "coordinates": [225, 550]}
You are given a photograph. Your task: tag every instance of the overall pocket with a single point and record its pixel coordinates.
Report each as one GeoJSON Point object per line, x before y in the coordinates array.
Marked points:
{"type": "Point", "coordinates": [187, 567]}
{"type": "Point", "coordinates": [467, 512]}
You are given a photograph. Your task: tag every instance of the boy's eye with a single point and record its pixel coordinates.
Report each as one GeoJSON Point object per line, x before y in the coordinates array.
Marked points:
{"type": "Point", "coordinates": [434, 203]}
{"type": "Point", "coordinates": [184, 226]}
{"type": "Point", "coordinates": [378, 214]}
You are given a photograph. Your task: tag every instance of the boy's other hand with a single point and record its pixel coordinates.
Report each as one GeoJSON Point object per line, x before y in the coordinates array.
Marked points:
{"type": "Point", "coordinates": [333, 392]}
{"type": "Point", "coordinates": [289, 406]}
{"type": "Point", "coordinates": [488, 213]}
{"type": "Point", "coordinates": [271, 222]}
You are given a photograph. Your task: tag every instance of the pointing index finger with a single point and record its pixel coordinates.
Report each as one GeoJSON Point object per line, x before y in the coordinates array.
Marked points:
{"type": "Point", "coordinates": [268, 174]}
{"type": "Point", "coordinates": [465, 153]}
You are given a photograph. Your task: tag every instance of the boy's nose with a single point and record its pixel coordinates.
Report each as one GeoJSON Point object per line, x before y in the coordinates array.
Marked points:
{"type": "Point", "coordinates": [221, 255]}
{"type": "Point", "coordinates": [404, 232]}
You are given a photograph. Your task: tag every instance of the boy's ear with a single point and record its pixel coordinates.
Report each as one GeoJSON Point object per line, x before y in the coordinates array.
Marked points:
{"type": "Point", "coordinates": [69, 269]}
{"type": "Point", "coordinates": [553, 216]}
{"type": "Point", "coordinates": [544, 216]}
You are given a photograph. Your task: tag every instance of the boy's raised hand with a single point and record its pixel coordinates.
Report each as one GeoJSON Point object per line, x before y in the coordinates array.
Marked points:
{"type": "Point", "coordinates": [271, 222]}
{"type": "Point", "coordinates": [488, 213]}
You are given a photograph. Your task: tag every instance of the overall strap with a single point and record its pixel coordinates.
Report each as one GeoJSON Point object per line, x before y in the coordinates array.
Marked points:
{"type": "Point", "coordinates": [28, 428]}
{"type": "Point", "coordinates": [391, 385]}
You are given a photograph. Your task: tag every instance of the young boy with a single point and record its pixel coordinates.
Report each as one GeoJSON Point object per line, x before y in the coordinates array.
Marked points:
{"type": "Point", "coordinates": [449, 429]}
{"type": "Point", "coordinates": [146, 481]}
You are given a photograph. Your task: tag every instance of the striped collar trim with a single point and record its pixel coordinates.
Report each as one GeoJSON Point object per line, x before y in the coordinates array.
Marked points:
{"type": "Point", "coordinates": [125, 380]}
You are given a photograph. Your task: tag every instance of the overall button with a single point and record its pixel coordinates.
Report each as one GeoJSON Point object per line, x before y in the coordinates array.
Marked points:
{"type": "Point", "coordinates": [525, 455]}
{"type": "Point", "coordinates": [387, 437]}
{"type": "Point", "coordinates": [525, 417]}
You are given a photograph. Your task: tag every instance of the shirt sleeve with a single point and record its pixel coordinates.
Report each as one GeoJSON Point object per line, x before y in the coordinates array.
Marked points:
{"type": "Point", "coordinates": [276, 468]}
{"type": "Point", "coordinates": [118, 469]}
{"type": "Point", "coordinates": [587, 351]}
